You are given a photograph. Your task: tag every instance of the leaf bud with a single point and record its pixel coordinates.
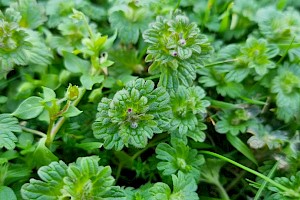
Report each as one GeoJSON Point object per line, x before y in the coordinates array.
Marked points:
{"type": "Point", "coordinates": [72, 92]}
{"type": "Point", "coordinates": [182, 42]}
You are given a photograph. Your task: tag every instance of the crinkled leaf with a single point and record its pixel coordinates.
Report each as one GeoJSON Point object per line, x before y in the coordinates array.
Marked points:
{"type": "Point", "coordinates": [7, 139]}
{"type": "Point", "coordinates": [7, 193]}
{"type": "Point", "coordinates": [33, 15]}
{"type": "Point", "coordinates": [50, 185]}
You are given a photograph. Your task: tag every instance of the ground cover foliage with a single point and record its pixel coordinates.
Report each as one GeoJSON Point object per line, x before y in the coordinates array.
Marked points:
{"type": "Point", "coordinates": [145, 100]}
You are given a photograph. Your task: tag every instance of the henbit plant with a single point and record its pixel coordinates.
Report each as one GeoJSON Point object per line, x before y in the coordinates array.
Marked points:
{"type": "Point", "coordinates": [84, 179]}
{"type": "Point", "coordinates": [133, 116]}
{"type": "Point", "coordinates": [189, 111]}
{"type": "Point", "coordinates": [176, 49]}
{"type": "Point", "coordinates": [128, 100]}
{"type": "Point", "coordinates": [179, 158]}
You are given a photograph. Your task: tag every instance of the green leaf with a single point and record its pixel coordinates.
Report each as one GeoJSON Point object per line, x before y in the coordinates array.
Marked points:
{"type": "Point", "coordinates": [241, 147]}
{"type": "Point", "coordinates": [48, 94]}
{"type": "Point", "coordinates": [89, 146]}
{"type": "Point", "coordinates": [72, 112]}
{"type": "Point", "coordinates": [178, 158]}
{"type": "Point", "coordinates": [30, 108]}
{"type": "Point", "coordinates": [292, 182]}
{"type": "Point", "coordinates": [176, 49]}
{"type": "Point", "coordinates": [50, 185]}
{"type": "Point", "coordinates": [184, 188]}
{"type": "Point", "coordinates": [75, 64]}
{"type": "Point", "coordinates": [39, 53]}
{"type": "Point", "coordinates": [88, 81]}
{"type": "Point", "coordinates": [121, 23]}
{"type": "Point", "coordinates": [87, 180]}
{"type": "Point", "coordinates": [7, 139]}
{"type": "Point", "coordinates": [8, 125]}
{"type": "Point", "coordinates": [42, 155]}
{"type": "Point", "coordinates": [84, 179]}
{"type": "Point", "coordinates": [7, 193]}
{"type": "Point", "coordinates": [33, 15]}
{"type": "Point", "coordinates": [133, 116]}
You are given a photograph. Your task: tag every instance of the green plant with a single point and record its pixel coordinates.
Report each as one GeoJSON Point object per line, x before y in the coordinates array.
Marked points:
{"type": "Point", "coordinates": [144, 100]}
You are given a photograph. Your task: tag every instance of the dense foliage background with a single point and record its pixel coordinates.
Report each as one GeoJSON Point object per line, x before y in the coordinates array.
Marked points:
{"type": "Point", "coordinates": [149, 99]}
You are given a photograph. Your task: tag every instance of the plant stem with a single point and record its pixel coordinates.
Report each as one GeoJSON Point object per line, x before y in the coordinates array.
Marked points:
{"type": "Point", "coordinates": [221, 62]}
{"type": "Point", "coordinates": [120, 166]}
{"type": "Point", "coordinates": [222, 191]}
{"type": "Point", "coordinates": [286, 51]}
{"type": "Point", "coordinates": [281, 187]}
{"type": "Point", "coordinates": [236, 180]}
{"type": "Point", "coordinates": [55, 128]}
{"type": "Point", "coordinates": [263, 185]}
{"type": "Point", "coordinates": [29, 130]}
{"type": "Point", "coordinates": [152, 77]}
{"type": "Point", "coordinates": [49, 139]}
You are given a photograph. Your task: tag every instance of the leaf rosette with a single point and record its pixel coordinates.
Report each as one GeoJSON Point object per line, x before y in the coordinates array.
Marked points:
{"type": "Point", "coordinates": [84, 179]}
{"type": "Point", "coordinates": [176, 49]}
{"type": "Point", "coordinates": [189, 110]}
{"type": "Point", "coordinates": [286, 86]}
{"type": "Point", "coordinates": [179, 158]}
{"type": "Point", "coordinates": [133, 116]}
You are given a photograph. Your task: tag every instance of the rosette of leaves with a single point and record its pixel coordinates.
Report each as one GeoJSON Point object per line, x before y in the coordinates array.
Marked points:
{"type": "Point", "coordinates": [84, 179]}
{"type": "Point", "coordinates": [235, 121]}
{"type": "Point", "coordinates": [178, 157]}
{"type": "Point", "coordinates": [257, 53]}
{"type": "Point", "coordinates": [13, 42]}
{"type": "Point", "coordinates": [281, 27]}
{"type": "Point", "coordinates": [292, 183]}
{"type": "Point", "coordinates": [176, 49]}
{"type": "Point", "coordinates": [286, 86]}
{"type": "Point", "coordinates": [218, 77]}
{"type": "Point", "coordinates": [130, 18]}
{"type": "Point", "coordinates": [277, 25]}
{"type": "Point", "coordinates": [133, 115]}
{"type": "Point", "coordinates": [184, 188]}
{"type": "Point", "coordinates": [189, 110]}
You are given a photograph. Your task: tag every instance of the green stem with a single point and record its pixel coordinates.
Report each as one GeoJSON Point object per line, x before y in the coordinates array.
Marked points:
{"type": "Point", "coordinates": [262, 187]}
{"type": "Point", "coordinates": [222, 191]}
{"type": "Point", "coordinates": [281, 187]}
{"type": "Point", "coordinates": [177, 6]}
{"type": "Point", "coordinates": [236, 180]}
{"type": "Point", "coordinates": [49, 139]}
{"type": "Point", "coordinates": [152, 77]}
{"type": "Point", "coordinates": [120, 166]}
{"type": "Point", "coordinates": [286, 51]}
{"type": "Point", "coordinates": [29, 130]}
{"type": "Point", "coordinates": [92, 36]}
{"type": "Point", "coordinates": [55, 128]}
{"type": "Point", "coordinates": [221, 62]}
